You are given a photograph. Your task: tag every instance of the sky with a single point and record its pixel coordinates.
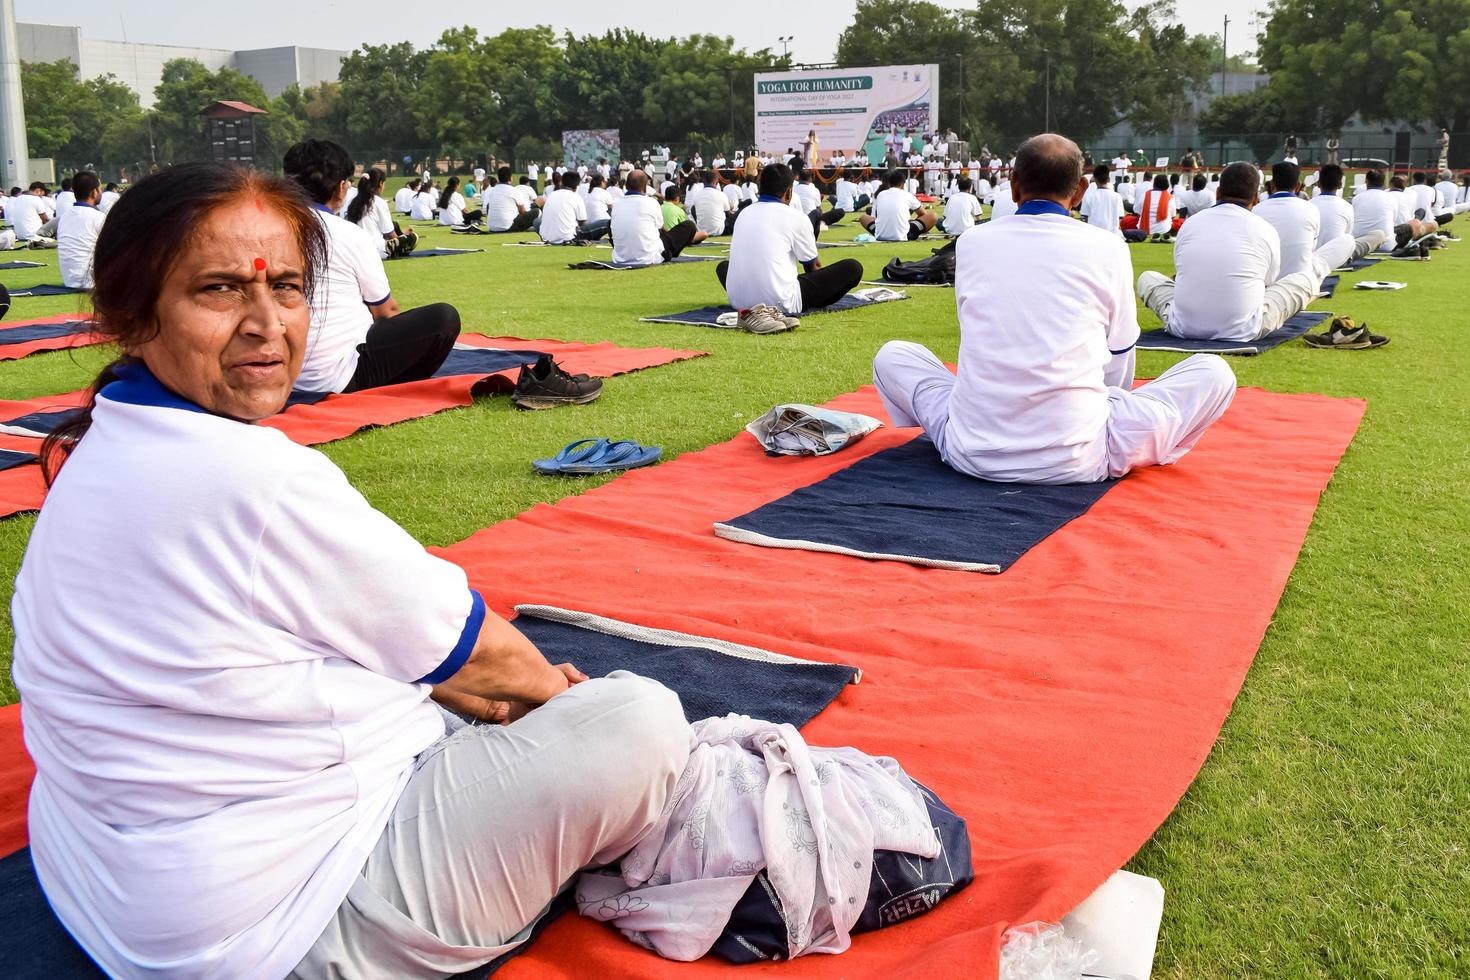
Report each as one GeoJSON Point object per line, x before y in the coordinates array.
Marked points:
{"type": "Point", "coordinates": [346, 24]}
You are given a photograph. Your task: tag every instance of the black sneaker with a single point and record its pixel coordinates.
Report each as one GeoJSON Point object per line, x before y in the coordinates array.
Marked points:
{"type": "Point", "coordinates": [545, 385]}
{"type": "Point", "coordinates": [1345, 335]}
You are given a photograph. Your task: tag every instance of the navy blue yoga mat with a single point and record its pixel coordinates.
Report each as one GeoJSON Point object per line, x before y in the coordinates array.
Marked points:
{"type": "Point", "coordinates": [40, 331]}
{"type": "Point", "coordinates": [1358, 264]}
{"type": "Point", "coordinates": [706, 316]}
{"type": "Point", "coordinates": [22, 265]}
{"type": "Point", "coordinates": [9, 458]}
{"type": "Point", "coordinates": [476, 360]}
{"type": "Point", "coordinates": [41, 423]}
{"type": "Point", "coordinates": [1290, 330]}
{"type": "Point", "coordinates": [45, 289]}
{"type": "Point", "coordinates": [711, 678]}
{"type": "Point", "coordinates": [429, 253]}
{"type": "Point", "coordinates": [625, 267]}
{"type": "Point", "coordinates": [33, 944]}
{"type": "Point", "coordinates": [906, 504]}
{"type": "Point", "coordinates": [1329, 286]}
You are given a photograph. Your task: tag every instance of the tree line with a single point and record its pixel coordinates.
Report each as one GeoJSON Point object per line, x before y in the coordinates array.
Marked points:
{"type": "Point", "coordinates": [1007, 67]}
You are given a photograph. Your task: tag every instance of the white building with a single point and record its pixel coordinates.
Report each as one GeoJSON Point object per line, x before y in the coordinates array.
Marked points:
{"type": "Point", "coordinates": [140, 66]}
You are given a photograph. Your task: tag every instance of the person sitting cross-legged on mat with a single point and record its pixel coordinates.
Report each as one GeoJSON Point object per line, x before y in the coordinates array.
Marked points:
{"type": "Point", "coordinates": [1047, 331]}
{"type": "Point", "coordinates": [564, 216]}
{"type": "Point", "coordinates": [714, 213]}
{"type": "Point", "coordinates": [1228, 283]}
{"type": "Point", "coordinates": [360, 337]}
{"type": "Point", "coordinates": [77, 230]}
{"type": "Point", "coordinates": [897, 216]}
{"type": "Point", "coordinates": [638, 233]}
{"type": "Point", "coordinates": [369, 211]}
{"type": "Point", "coordinates": [453, 212]}
{"type": "Point", "coordinates": [227, 656]}
{"type": "Point", "coordinates": [507, 210]}
{"type": "Point", "coordinates": [770, 239]}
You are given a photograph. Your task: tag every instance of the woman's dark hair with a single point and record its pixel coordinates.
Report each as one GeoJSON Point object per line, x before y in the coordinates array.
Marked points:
{"type": "Point", "coordinates": [319, 166]}
{"type": "Point", "coordinates": [368, 186]}
{"type": "Point", "coordinates": [449, 189]}
{"type": "Point", "coordinates": [146, 231]}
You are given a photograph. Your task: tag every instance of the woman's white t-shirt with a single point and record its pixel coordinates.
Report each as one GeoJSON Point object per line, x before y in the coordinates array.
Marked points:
{"type": "Point", "coordinates": [453, 212]}
{"type": "Point", "coordinates": [352, 280]}
{"type": "Point", "coordinates": [422, 208]}
{"type": "Point", "coordinates": [224, 655]}
{"type": "Point", "coordinates": [377, 221]}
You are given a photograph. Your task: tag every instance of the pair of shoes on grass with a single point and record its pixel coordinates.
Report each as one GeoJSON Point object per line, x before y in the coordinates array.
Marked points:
{"type": "Point", "coordinates": [545, 385]}
{"type": "Point", "coordinates": [1413, 250]}
{"type": "Point", "coordinates": [765, 319]}
{"type": "Point", "coordinates": [1344, 334]}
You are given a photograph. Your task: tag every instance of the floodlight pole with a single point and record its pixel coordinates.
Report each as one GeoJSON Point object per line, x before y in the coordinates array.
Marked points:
{"type": "Point", "coordinates": [1046, 127]}
{"type": "Point", "coordinates": [1224, 53]}
{"type": "Point", "coordinates": [14, 156]}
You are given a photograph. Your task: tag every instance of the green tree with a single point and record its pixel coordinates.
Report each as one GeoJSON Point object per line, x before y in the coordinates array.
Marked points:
{"type": "Point", "coordinates": [598, 82]}
{"type": "Point", "coordinates": [891, 32]}
{"type": "Point", "coordinates": [1258, 117]}
{"type": "Point", "coordinates": [379, 86]}
{"type": "Point", "coordinates": [49, 90]}
{"type": "Point", "coordinates": [186, 88]}
{"type": "Point", "coordinates": [1382, 59]}
{"type": "Point", "coordinates": [522, 62]}
{"type": "Point", "coordinates": [690, 91]}
{"type": "Point", "coordinates": [455, 104]}
{"type": "Point", "coordinates": [80, 123]}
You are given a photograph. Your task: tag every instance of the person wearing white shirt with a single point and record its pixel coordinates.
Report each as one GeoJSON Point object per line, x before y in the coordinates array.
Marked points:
{"type": "Point", "coordinates": [65, 198]}
{"type": "Point", "coordinates": [1138, 189]}
{"type": "Point", "coordinates": [1048, 325]}
{"type": "Point", "coordinates": [533, 172]}
{"type": "Point", "coordinates": [1334, 215]}
{"type": "Point", "coordinates": [564, 216]}
{"type": "Point", "coordinates": [961, 210]}
{"type": "Point", "coordinates": [1297, 223]}
{"type": "Point", "coordinates": [403, 199]}
{"type": "Point", "coordinates": [897, 216]}
{"type": "Point", "coordinates": [713, 213]}
{"type": "Point", "coordinates": [1121, 164]}
{"type": "Point", "coordinates": [1102, 207]}
{"type": "Point", "coordinates": [452, 212]}
{"type": "Point", "coordinates": [369, 211]}
{"type": "Point", "coordinates": [599, 201]}
{"type": "Point", "coordinates": [1406, 210]}
{"type": "Point", "coordinates": [808, 200]}
{"type": "Point", "coordinates": [27, 214]}
{"type": "Point", "coordinates": [733, 196]}
{"type": "Point", "coordinates": [1445, 194]}
{"type": "Point", "coordinates": [638, 234]}
{"type": "Point", "coordinates": [526, 191]}
{"type": "Point", "coordinates": [769, 241]}
{"type": "Point", "coordinates": [240, 640]}
{"type": "Point", "coordinates": [77, 230]}
{"type": "Point", "coordinates": [1197, 197]}
{"type": "Point", "coordinates": [110, 194]}
{"type": "Point", "coordinates": [1003, 200]}
{"type": "Point", "coordinates": [421, 206]}
{"type": "Point", "coordinates": [1228, 260]}
{"type": "Point", "coordinates": [508, 210]}
{"type": "Point", "coordinates": [360, 336]}
{"type": "Point", "coordinates": [1374, 212]}
{"type": "Point", "coordinates": [1420, 190]}
{"type": "Point", "coordinates": [846, 198]}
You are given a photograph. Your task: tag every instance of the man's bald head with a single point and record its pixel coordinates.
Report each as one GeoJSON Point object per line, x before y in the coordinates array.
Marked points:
{"type": "Point", "coordinates": [1048, 166]}
{"type": "Point", "coordinates": [1240, 181]}
{"type": "Point", "coordinates": [637, 182]}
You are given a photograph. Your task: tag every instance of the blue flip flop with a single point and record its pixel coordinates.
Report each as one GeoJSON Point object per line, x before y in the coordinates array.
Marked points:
{"type": "Point", "coordinates": [598, 456]}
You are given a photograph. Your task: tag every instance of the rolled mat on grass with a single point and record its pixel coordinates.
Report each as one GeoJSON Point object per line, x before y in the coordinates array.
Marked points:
{"type": "Point", "coordinates": [315, 418]}
{"type": "Point", "coordinates": [897, 284]}
{"type": "Point", "coordinates": [21, 264]}
{"type": "Point", "coordinates": [906, 504]}
{"type": "Point", "coordinates": [1328, 287]}
{"type": "Point", "coordinates": [713, 678]}
{"type": "Point", "coordinates": [44, 289]}
{"type": "Point", "coordinates": [21, 337]}
{"type": "Point", "coordinates": [1290, 330]}
{"type": "Point", "coordinates": [429, 253]}
{"type": "Point", "coordinates": [1358, 264]}
{"type": "Point", "coordinates": [597, 264]}
{"type": "Point", "coordinates": [1024, 700]}
{"type": "Point", "coordinates": [708, 316]}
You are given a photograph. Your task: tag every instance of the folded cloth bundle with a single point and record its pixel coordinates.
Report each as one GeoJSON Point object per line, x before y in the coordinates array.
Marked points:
{"type": "Point", "coordinates": [805, 430]}
{"type": "Point", "coordinates": [753, 798]}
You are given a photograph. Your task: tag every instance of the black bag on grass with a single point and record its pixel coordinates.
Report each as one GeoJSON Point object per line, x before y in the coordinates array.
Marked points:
{"type": "Point", "coordinates": [937, 269]}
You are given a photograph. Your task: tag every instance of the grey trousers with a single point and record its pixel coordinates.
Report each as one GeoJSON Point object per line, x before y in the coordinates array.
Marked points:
{"type": "Point", "coordinates": [1284, 298]}
{"type": "Point", "coordinates": [495, 821]}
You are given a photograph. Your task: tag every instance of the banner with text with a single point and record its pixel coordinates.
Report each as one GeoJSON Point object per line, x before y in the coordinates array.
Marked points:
{"type": "Point", "coordinates": [843, 106]}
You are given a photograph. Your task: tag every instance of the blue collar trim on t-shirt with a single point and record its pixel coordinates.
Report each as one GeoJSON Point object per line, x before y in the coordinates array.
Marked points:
{"type": "Point", "coordinates": [1230, 204]}
{"type": "Point", "coordinates": [79, 204]}
{"type": "Point", "coordinates": [1282, 194]}
{"type": "Point", "coordinates": [1329, 193]}
{"type": "Point", "coordinates": [769, 199]}
{"type": "Point", "coordinates": [1038, 206]}
{"type": "Point", "coordinates": [324, 208]}
{"type": "Point", "coordinates": [136, 385]}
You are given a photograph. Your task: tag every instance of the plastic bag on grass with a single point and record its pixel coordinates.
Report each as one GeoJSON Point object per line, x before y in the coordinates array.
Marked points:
{"type": "Point", "coordinates": [805, 430]}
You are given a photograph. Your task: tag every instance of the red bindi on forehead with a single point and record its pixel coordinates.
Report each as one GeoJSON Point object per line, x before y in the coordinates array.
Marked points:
{"type": "Point", "coordinates": [259, 264]}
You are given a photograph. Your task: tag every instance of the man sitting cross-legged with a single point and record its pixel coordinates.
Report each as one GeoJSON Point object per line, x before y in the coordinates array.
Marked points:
{"type": "Point", "coordinates": [897, 215]}
{"type": "Point", "coordinates": [1374, 211]}
{"type": "Point", "coordinates": [638, 233]}
{"type": "Point", "coordinates": [770, 238]}
{"type": "Point", "coordinates": [714, 213]}
{"type": "Point", "coordinates": [1228, 267]}
{"type": "Point", "coordinates": [1047, 328]}
{"type": "Point", "coordinates": [564, 216]}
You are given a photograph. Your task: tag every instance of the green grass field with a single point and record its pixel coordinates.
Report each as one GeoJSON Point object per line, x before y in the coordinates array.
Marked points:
{"type": "Point", "coordinates": [1328, 834]}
